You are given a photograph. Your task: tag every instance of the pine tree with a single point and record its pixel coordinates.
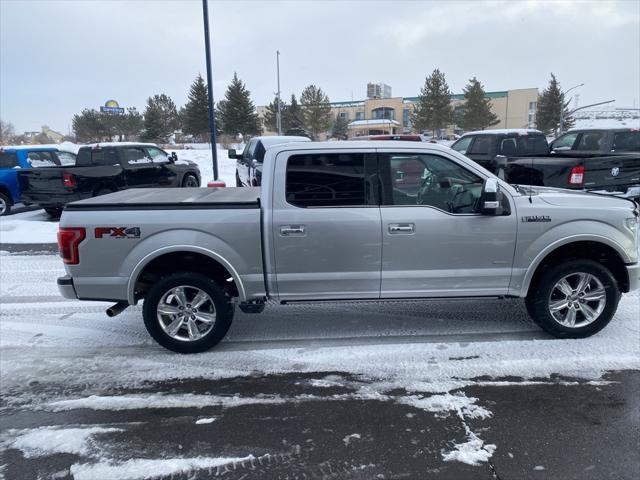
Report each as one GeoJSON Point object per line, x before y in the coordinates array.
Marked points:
{"type": "Point", "coordinates": [316, 110]}
{"type": "Point", "coordinates": [271, 115]}
{"type": "Point", "coordinates": [476, 113]}
{"type": "Point", "coordinates": [237, 112]}
{"type": "Point", "coordinates": [550, 103]}
{"type": "Point", "coordinates": [88, 126]}
{"type": "Point", "coordinates": [433, 110]}
{"type": "Point", "coordinates": [340, 128]}
{"type": "Point", "coordinates": [293, 119]}
{"type": "Point", "coordinates": [160, 118]}
{"type": "Point", "coordinates": [195, 114]}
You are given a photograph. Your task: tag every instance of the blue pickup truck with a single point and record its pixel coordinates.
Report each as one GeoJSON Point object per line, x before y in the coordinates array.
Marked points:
{"type": "Point", "coordinates": [25, 156]}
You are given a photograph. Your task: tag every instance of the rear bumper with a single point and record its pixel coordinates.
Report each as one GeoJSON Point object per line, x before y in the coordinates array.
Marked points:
{"type": "Point", "coordinates": [66, 288]}
{"type": "Point", "coordinates": [52, 200]}
{"type": "Point", "coordinates": [634, 276]}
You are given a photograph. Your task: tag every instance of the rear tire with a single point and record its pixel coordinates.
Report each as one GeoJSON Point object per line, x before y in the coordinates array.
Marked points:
{"type": "Point", "coordinates": [5, 205]}
{"type": "Point", "coordinates": [566, 309]}
{"type": "Point", "coordinates": [175, 318]}
{"type": "Point", "coordinates": [53, 212]}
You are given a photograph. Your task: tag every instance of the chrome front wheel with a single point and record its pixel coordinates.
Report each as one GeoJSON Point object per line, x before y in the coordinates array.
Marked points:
{"type": "Point", "coordinates": [186, 313]}
{"type": "Point", "coordinates": [577, 300]}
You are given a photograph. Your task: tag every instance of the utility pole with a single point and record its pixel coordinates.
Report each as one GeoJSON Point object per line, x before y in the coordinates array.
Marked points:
{"type": "Point", "coordinates": [212, 115]}
{"type": "Point", "coordinates": [562, 105]}
{"type": "Point", "coordinates": [279, 115]}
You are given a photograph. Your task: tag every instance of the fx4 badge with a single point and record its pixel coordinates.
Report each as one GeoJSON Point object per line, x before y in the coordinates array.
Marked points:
{"type": "Point", "coordinates": [536, 218]}
{"type": "Point", "coordinates": [117, 232]}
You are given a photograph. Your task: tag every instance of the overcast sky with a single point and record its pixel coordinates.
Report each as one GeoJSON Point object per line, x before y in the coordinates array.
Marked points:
{"type": "Point", "coordinates": [58, 57]}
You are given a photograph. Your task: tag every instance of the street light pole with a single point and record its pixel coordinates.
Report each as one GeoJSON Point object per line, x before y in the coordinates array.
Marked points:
{"type": "Point", "coordinates": [212, 115]}
{"type": "Point", "coordinates": [279, 116]}
{"type": "Point", "coordinates": [562, 94]}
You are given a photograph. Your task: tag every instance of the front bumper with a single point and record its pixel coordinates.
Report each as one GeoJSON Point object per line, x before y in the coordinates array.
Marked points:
{"type": "Point", "coordinates": [634, 276]}
{"type": "Point", "coordinates": [66, 288]}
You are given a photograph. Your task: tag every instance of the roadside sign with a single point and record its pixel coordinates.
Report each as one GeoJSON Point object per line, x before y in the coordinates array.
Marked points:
{"type": "Point", "coordinates": [111, 106]}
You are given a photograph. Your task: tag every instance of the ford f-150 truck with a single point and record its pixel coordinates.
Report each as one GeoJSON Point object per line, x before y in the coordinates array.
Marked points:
{"type": "Point", "coordinates": [350, 221]}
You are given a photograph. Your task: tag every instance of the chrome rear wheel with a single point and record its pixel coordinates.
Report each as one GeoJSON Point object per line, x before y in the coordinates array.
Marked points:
{"type": "Point", "coordinates": [186, 313]}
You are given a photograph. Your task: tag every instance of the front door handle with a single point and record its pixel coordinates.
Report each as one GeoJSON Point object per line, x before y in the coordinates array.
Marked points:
{"type": "Point", "coordinates": [401, 228]}
{"type": "Point", "coordinates": [292, 230]}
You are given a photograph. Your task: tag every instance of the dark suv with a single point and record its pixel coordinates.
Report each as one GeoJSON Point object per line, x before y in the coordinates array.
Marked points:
{"type": "Point", "coordinates": [249, 162]}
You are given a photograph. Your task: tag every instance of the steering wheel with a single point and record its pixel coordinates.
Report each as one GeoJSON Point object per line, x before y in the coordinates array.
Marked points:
{"type": "Point", "coordinates": [426, 185]}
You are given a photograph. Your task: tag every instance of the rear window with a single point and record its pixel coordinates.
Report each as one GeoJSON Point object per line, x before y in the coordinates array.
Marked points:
{"type": "Point", "coordinates": [626, 142]}
{"type": "Point", "coordinates": [41, 159]}
{"type": "Point", "coordinates": [326, 180]}
{"type": "Point", "coordinates": [524, 145]}
{"type": "Point", "coordinates": [8, 160]}
{"type": "Point", "coordinates": [98, 156]}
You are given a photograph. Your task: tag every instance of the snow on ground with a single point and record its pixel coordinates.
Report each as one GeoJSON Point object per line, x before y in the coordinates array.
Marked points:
{"type": "Point", "coordinates": [427, 349]}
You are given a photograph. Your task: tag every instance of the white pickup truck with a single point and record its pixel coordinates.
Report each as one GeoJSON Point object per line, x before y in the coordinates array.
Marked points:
{"type": "Point", "coordinates": [344, 221]}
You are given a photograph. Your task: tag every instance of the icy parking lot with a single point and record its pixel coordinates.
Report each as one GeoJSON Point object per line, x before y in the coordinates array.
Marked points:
{"type": "Point", "coordinates": [361, 390]}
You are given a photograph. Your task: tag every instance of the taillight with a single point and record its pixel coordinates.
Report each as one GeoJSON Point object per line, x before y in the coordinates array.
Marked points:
{"type": "Point", "coordinates": [68, 180]}
{"type": "Point", "coordinates": [68, 241]}
{"type": "Point", "coordinates": [576, 176]}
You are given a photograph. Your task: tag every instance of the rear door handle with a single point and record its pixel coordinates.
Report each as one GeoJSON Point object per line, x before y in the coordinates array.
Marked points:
{"type": "Point", "coordinates": [399, 228]}
{"type": "Point", "coordinates": [292, 230]}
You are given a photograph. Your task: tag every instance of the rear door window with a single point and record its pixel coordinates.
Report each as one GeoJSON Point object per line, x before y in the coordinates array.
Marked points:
{"type": "Point", "coordinates": [41, 159]}
{"type": "Point", "coordinates": [626, 142]}
{"type": "Point", "coordinates": [8, 160]}
{"type": "Point", "coordinates": [329, 180]}
{"type": "Point", "coordinates": [482, 145]}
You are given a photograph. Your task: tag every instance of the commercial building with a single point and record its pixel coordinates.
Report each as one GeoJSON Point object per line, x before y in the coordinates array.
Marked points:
{"type": "Point", "coordinates": [375, 116]}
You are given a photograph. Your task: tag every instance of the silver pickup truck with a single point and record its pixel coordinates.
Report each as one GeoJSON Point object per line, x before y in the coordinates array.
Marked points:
{"type": "Point", "coordinates": [350, 221]}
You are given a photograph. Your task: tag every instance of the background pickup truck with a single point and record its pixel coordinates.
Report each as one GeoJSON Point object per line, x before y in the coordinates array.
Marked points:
{"type": "Point", "coordinates": [105, 168]}
{"type": "Point", "coordinates": [15, 158]}
{"type": "Point", "coordinates": [601, 160]}
{"type": "Point", "coordinates": [342, 221]}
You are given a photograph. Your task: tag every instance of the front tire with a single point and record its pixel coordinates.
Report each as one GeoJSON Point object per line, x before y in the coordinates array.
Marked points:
{"type": "Point", "coordinates": [190, 181]}
{"type": "Point", "coordinates": [575, 299]}
{"type": "Point", "coordinates": [187, 312]}
{"type": "Point", "coordinates": [5, 205]}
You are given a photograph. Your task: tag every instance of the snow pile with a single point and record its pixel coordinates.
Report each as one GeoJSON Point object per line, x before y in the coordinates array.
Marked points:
{"type": "Point", "coordinates": [226, 166]}
{"type": "Point", "coordinates": [28, 227]}
{"type": "Point", "coordinates": [472, 452]}
{"type": "Point", "coordinates": [139, 468]}
{"type": "Point", "coordinates": [45, 441]}
{"type": "Point", "coordinates": [444, 404]}
{"type": "Point", "coordinates": [157, 400]}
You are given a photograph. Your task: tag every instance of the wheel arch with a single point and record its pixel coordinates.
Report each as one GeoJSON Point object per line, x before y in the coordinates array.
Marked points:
{"type": "Point", "coordinates": [203, 259]}
{"type": "Point", "coordinates": [600, 249]}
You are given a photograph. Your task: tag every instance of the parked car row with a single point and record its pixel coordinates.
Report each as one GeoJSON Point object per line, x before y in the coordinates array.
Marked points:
{"type": "Point", "coordinates": [606, 160]}
{"type": "Point", "coordinates": [48, 178]}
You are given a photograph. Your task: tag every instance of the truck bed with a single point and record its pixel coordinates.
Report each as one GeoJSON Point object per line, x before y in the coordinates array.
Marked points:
{"type": "Point", "coordinates": [172, 199]}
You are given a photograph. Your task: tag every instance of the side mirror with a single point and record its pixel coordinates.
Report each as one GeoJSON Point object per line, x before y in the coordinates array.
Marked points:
{"type": "Point", "coordinates": [491, 198]}
{"type": "Point", "coordinates": [231, 153]}
{"type": "Point", "coordinates": [173, 158]}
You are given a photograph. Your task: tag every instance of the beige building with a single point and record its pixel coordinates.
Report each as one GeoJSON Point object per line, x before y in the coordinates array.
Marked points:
{"type": "Point", "coordinates": [375, 116]}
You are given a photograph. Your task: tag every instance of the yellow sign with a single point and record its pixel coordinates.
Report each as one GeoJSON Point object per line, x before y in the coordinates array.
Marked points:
{"type": "Point", "coordinates": [111, 104]}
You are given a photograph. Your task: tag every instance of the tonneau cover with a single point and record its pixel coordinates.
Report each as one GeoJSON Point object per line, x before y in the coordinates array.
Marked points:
{"type": "Point", "coordinates": [172, 198]}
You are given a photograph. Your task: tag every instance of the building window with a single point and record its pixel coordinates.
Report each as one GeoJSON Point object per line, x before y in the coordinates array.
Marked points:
{"type": "Point", "coordinates": [406, 116]}
{"type": "Point", "coordinates": [533, 106]}
{"type": "Point", "coordinates": [359, 115]}
{"type": "Point", "coordinates": [383, 113]}
{"type": "Point", "coordinates": [344, 115]}
{"type": "Point", "coordinates": [532, 119]}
